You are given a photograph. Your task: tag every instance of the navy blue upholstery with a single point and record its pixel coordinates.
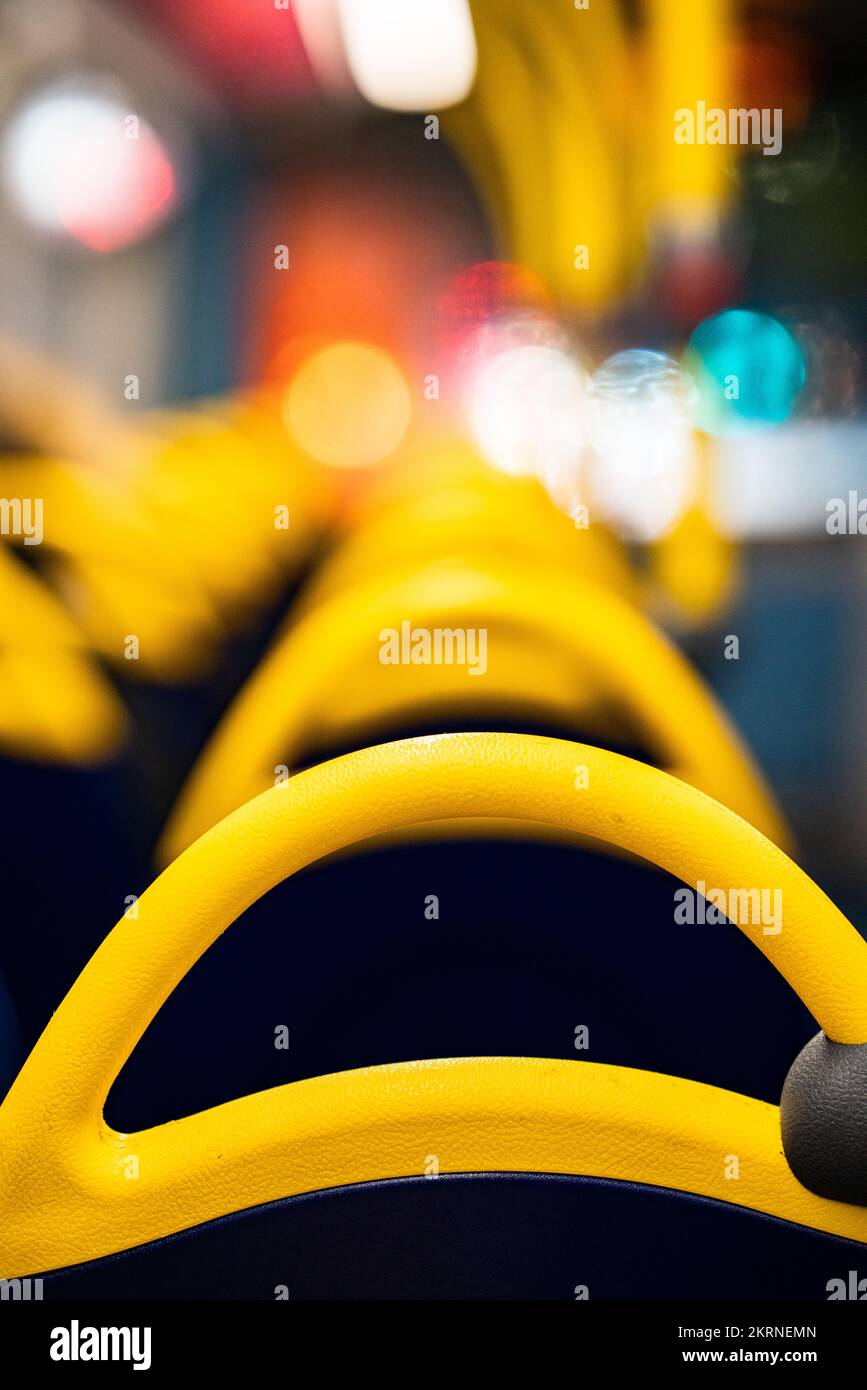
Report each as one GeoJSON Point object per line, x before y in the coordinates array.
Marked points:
{"type": "Point", "coordinates": [10, 1041]}
{"type": "Point", "coordinates": [84, 837]}
{"type": "Point", "coordinates": [494, 1236]}
{"type": "Point", "coordinates": [532, 941]}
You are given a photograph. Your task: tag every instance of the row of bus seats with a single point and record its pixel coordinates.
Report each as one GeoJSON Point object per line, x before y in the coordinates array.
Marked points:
{"type": "Point", "coordinates": [484, 1025]}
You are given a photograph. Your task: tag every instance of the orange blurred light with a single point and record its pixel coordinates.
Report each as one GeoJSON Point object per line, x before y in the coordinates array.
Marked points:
{"type": "Point", "coordinates": [348, 406]}
{"type": "Point", "coordinates": [772, 66]}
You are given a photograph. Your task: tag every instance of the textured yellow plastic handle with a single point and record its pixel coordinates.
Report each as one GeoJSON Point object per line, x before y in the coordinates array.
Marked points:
{"type": "Point", "coordinates": [66, 1193]}
{"type": "Point", "coordinates": [336, 647]}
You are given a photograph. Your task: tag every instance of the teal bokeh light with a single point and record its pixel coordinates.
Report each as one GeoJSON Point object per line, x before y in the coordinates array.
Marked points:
{"type": "Point", "coordinates": [749, 371]}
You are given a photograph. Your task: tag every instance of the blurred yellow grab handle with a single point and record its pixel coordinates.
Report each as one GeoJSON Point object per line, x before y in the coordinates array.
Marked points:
{"type": "Point", "coordinates": [337, 645]}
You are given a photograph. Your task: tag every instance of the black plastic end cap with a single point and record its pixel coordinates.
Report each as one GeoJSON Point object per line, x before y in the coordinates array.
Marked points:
{"type": "Point", "coordinates": [823, 1118]}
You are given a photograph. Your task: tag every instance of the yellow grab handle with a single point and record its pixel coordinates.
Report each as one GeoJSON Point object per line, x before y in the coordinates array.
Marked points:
{"type": "Point", "coordinates": [55, 702]}
{"type": "Point", "coordinates": [509, 518]}
{"type": "Point", "coordinates": [338, 646]}
{"type": "Point", "coordinates": [65, 1192]}
{"type": "Point", "coordinates": [177, 550]}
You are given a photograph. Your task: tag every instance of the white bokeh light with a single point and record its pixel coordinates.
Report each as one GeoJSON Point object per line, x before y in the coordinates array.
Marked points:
{"type": "Point", "coordinates": [74, 160]}
{"type": "Point", "coordinates": [410, 55]}
{"type": "Point", "coordinates": [526, 408]}
{"type": "Point", "coordinates": [319, 24]}
{"type": "Point", "coordinates": [641, 474]}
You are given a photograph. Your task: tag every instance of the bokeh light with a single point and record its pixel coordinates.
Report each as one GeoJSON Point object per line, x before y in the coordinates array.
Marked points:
{"type": "Point", "coordinates": [641, 410]}
{"type": "Point", "coordinates": [749, 370]}
{"type": "Point", "coordinates": [641, 420]}
{"type": "Point", "coordinates": [771, 66]}
{"type": "Point", "coordinates": [526, 408]}
{"type": "Point", "coordinates": [484, 293]}
{"type": "Point", "coordinates": [834, 365]}
{"type": "Point", "coordinates": [75, 160]}
{"type": "Point", "coordinates": [410, 55]}
{"type": "Point", "coordinates": [348, 405]}
{"type": "Point", "coordinates": [319, 24]}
